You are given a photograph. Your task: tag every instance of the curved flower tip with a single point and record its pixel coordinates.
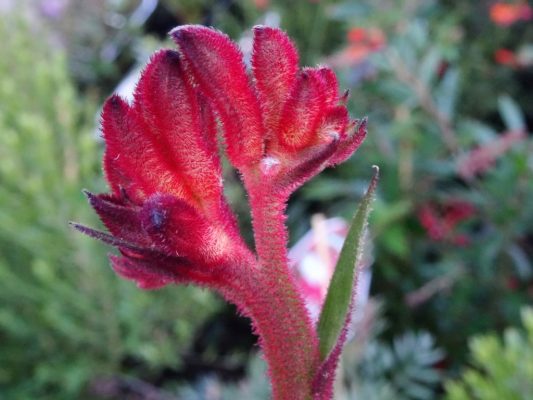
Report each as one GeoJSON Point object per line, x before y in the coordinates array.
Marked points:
{"type": "Point", "coordinates": [164, 240]}
{"type": "Point", "coordinates": [351, 142]}
{"type": "Point", "coordinates": [308, 125]}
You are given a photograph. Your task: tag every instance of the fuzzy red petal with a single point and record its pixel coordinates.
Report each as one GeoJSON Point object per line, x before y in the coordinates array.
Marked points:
{"type": "Point", "coordinates": [145, 276]}
{"type": "Point", "coordinates": [334, 123]}
{"type": "Point", "coordinates": [217, 67]}
{"type": "Point", "coordinates": [180, 230]}
{"type": "Point", "coordinates": [330, 86]}
{"type": "Point", "coordinates": [209, 129]}
{"type": "Point", "coordinates": [303, 111]}
{"type": "Point", "coordinates": [114, 123]}
{"type": "Point", "coordinates": [122, 221]}
{"type": "Point", "coordinates": [168, 106]}
{"type": "Point", "coordinates": [275, 68]}
{"type": "Point", "coordinates": [309, 165]}
{"type": "Point", "coordinates": [349, 144]}
{"type": "Point", "coordinates": [132, 161]}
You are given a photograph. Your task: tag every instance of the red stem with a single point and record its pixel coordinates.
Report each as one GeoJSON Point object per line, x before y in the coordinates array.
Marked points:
{"type": "Point", "coordinates": [280, 317]}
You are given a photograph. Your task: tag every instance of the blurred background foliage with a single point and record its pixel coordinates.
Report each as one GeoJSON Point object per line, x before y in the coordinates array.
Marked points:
{"type": "Point", "coordinates": [446, 86]}
{"type": "Point", "coordinates": [501, 369]}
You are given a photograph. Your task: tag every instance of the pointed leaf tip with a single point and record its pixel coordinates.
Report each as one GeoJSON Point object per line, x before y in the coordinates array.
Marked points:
{"type": "Point", "coordinates": [333, 316]}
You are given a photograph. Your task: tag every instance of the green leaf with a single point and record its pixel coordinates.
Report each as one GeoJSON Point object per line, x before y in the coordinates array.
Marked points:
{"type": "Point", "coordinates": [429, 66]}
{"type": "Point", "coordinates": [348, 11]}
{"type": "Point", "coordinates": [447, 92]}
{"type": "Point", "coordinates": [511, 114]}
{"type": "Point", "coordinates": [341, 287]}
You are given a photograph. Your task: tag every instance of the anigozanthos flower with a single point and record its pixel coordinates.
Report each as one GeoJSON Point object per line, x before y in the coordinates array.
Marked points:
{"type": "Point", "coordinates": [166, 211]}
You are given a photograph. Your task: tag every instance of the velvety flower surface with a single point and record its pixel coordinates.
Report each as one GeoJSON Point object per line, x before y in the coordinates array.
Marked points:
{"type": "Point", "coordinates": [166, 212]}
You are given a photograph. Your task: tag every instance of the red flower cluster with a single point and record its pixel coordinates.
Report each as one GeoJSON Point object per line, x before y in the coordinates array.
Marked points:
{"type": "Point", "coordinates": [441, 222]}
{"type": "Point", "coordinates": [506, 14]}
{"type": "Point", "coordinates": [166, 212]}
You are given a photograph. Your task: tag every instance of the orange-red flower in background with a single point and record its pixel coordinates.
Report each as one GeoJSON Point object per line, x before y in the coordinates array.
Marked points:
{"type": "Point", "coordinates": [361, 44]}
{"type": "Point", "coordinates": [506, 14]}
{"type": "Point", "coordinates": [262, 4]}
{"type": "Point", "coordinates": [505, 57]}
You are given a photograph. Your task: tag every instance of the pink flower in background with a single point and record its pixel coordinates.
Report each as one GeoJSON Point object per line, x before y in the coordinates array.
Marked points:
{"type": "Point", "coordinates": [54, 9]}
{"type": "Point", "coordinates": [482, 158]}
{"type": "Point", "coordinates": [313, 259]}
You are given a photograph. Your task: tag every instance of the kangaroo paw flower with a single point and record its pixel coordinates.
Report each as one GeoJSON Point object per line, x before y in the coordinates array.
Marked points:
{"type": "Point", "coordinates": [166, 212]}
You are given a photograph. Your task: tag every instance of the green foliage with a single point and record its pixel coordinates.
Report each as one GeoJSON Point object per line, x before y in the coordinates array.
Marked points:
{"type": "Point", "coordinates": [501, 369]}
{"type": "Point", "coordinates": [426, 115]}
{"type": "Point", "coordinates": [403, 370]}
{"type": "Point", "coordinates": [341, 288]}
{"type": "Point", "coordinates": [64, 317]}
{"type": "Point", "coordinates": [256, 386]}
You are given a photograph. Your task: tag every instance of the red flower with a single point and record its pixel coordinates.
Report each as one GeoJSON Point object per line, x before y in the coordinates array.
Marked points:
{"type": "Point", "coordinates": [440, 222]}
{"type": "Point", "coordinates": [166, 212]}
{"type": "Point", "coordinates": [506, 14]}
{"type": "Point", "coordinates": [505, 57]}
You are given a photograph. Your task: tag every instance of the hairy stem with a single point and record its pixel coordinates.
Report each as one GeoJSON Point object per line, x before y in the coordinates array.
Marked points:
{"type": "Point", "coordinates": [288, 338]}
